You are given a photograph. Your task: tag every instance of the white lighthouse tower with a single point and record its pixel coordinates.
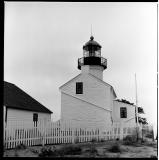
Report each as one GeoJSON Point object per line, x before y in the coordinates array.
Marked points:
{"type": "Point", "coordinates": [87, 98]}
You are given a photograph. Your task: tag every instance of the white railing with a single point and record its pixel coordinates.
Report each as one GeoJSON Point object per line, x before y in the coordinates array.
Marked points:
{"type": "Point", "coordinates": [42, 133]}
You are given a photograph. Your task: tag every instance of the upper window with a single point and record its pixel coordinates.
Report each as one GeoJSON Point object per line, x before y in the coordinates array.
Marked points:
{"type": "Point", "coordinates": [79, 87]}
{"type": "Point", "coordinates": [35, 117]}
{"type": "Point", "coordinates": [123, 112]}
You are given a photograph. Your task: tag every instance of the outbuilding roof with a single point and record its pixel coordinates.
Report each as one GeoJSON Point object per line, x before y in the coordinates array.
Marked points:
{"type": "Point", "coordinates": [16, 98]}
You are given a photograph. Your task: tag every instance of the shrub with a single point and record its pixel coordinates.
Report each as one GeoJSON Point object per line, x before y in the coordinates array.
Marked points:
{"type": "Point", "coordinates": [66, 150]}
{"type": "Point", "coordinates": [47, 152]}
{"type": "Point", "coordinates": [70, 150]}
{"type": "Point", "coordinates": [76, 140]}
{"type": "Point", "coordinates": [34, 151]}
{"type": "Point", "coordinates": [143, 140]}
{"type": "Point", "coordinates": [151, 144]}
{"type": "Point", "coordinates": [115, 148]}
{"type": "Point", "coordinates": [153, 156]}
{"type": "Point", "coordinates": [102, 140]}
{"type": "Point", "coordinates": [94, 140]}
{"type": "Point", "coordinates": [93, 149]}
{"type": "Point", "coordinates": [16, 154]}
{"type": "Point", "coordinates": [129, 140]}
{"type": "Point", "coordinates": [149, 135]}
{"type": "Point", "coordinates": [21, 146]}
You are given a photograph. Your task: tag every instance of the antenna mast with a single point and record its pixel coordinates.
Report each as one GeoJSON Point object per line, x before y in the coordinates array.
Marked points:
{"type": "Point", "coordinates": [91, 29]}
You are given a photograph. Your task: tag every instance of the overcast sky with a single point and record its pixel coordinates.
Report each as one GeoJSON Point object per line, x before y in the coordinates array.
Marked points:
{"type": "Point", "coordinates": [44, 40]}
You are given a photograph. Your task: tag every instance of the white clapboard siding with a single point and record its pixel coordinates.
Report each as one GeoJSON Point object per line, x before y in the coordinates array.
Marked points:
{"type": "Point", "coordinates": [47, 132]}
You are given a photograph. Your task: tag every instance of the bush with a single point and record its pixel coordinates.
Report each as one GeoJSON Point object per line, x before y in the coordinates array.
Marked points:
{"type": "Point", "coordinates": [153, 156]}
{"type": "Point", "coordinates": [47, 152]}
{"type": "Point", "coordinates": [70, 150]}
{"type": "Point", "coordinates": [94, 140]}
{"type": "Point", "coordinates": [143, 140]}
{"type": "Point", "coordinates": [149, 135]}
{"type": "Point", "coordinates": [102, 140]}
{"type": "Point", "coordinates": [151, 144]}
{"type": "Point", "coordinates": [16, 154]}
{"type": "Point", "coordinates": [21, 146]}
{"type": "Point", "coordinates": [129, 140]}
{"type": "Point", "coordinates": [34, 151]}
{"type": "Point", "coordinates": [66, 150]}
{"type": "Point", "coordinates": [115, 148]}
{"type": "Point", "coordinates": [76, 140]}
{"type": "Point", "coordinates": [93, 149]}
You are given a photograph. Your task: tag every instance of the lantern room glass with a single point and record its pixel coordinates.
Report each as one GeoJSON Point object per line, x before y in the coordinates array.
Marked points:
{"type": "Point", "coordinates": [92, 53]}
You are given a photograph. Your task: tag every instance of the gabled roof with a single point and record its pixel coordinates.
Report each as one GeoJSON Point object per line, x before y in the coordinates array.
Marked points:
{"type": "Point", "coordinates": [70, 81]}
{"type": "Point", "coordinates": [124, 103]}
{"type": "Point", "coordinates": [90, 76]}
{"type": "Point", "coordinates": [16, 98]}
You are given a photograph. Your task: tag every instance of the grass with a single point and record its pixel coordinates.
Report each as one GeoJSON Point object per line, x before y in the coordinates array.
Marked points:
{"type": "Point", "coordinates": [90, 149]}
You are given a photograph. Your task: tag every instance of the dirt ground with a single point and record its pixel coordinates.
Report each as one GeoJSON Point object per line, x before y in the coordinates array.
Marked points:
{"type": "Point", "coordinates": [146, 150]}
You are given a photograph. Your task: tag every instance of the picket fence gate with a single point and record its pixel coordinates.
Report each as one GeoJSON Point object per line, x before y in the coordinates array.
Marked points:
{"type": "Point", "coordinates": [43, 133]}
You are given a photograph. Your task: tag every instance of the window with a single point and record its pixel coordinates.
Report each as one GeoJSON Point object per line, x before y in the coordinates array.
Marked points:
{"type": "Point", "coordinates": [123, 112]}
{"type": "Point", "coordinates": [35, 117]}
{"type": "Point", "coordinates": [79, 88]}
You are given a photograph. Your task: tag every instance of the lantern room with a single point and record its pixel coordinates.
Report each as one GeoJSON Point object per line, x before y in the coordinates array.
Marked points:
{"type": "Point", "coordinates": [92, 55]}
{"type": "Point", "coordinates": [92, 48]}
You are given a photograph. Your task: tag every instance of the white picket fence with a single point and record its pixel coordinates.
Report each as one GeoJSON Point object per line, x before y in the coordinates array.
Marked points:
{"type": "Point", "coordinates": [43, 133]}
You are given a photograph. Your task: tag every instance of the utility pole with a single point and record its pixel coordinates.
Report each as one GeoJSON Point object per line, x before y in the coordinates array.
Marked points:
{"type": "Point", "coordinates": [136, 108]}
{"type": "Point", "coordinates": [137, 121]}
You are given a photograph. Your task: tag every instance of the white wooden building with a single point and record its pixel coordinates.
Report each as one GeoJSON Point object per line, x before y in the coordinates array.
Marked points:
{"type": "Point", "coordinates": [21, 107]}
{"type": "Point", "coordinates": [88, 99]}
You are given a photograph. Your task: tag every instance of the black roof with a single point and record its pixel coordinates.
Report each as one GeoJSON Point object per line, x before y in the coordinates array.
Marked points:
{"type": "Point", "coordinates": [16, 98]}
{"type": "Point", "coordinates": [92, 42]}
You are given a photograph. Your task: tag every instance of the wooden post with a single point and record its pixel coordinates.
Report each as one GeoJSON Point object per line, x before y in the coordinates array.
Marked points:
{"type": "Point", "coordinates": [73, 133]}
{"type": "Point", "coordinates": [43, 134]}
{"type": "Point", "coordinates": [121, 131]}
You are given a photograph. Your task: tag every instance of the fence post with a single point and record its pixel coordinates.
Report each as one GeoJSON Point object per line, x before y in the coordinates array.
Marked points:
{"type": "Point", "coordinates": [73, 133]}
{"type": "Point", "coordinates": [4, 134]}
{"type": "Point", "coordinates": [43, 135]}
{"type": "Point", "coordinates": [121, 131]}
{"type": "Point", "coordinates": [100, 133]}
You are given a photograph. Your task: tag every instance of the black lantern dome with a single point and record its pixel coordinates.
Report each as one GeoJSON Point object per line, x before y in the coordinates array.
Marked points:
{"type": "Point", "coordinates": [92, 54]}
{"type": "Point", "coordinates": [91, 42]}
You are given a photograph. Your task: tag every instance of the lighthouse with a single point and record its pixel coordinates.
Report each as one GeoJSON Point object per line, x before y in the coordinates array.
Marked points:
{"type": "Point", "coordinates": [86, 98]}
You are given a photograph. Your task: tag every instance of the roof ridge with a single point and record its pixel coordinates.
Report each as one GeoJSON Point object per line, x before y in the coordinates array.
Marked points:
{"type": "Point", "coordinates": [70, 81]}
{"type": "Point", "coordinates": [20, 93]}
